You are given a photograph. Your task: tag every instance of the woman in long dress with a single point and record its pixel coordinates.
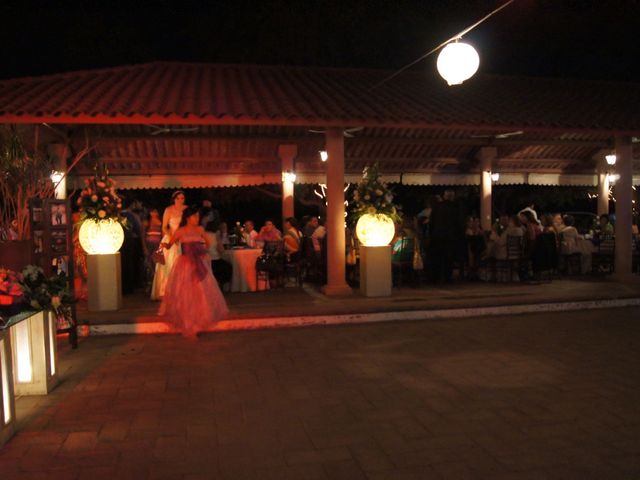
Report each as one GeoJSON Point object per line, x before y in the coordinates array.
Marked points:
{"type": "Point", "coordinates": [193, 301]}
{"type": "Point", "coordinates": [170, 223]}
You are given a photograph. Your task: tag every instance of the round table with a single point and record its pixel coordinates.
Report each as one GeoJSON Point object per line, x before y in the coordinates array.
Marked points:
{"type": "Point", "coordinates": [243, 261]}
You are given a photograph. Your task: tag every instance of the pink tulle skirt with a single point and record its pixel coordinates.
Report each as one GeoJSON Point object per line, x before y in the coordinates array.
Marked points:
{"type": "Point", "coordinates": [192, 303]}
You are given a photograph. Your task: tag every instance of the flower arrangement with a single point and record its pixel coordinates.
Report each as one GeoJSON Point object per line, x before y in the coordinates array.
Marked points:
{"type": "Point", "coordinates": [10, 284]}
{"type": "Point", "coordinates": [99, 199]}
{"type": "Point", "coordinates": [372, 196]}
{"type": "Point", "coordinates": [42, 293]}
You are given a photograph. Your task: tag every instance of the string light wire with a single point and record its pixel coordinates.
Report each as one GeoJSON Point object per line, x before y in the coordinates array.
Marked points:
{"type": "Point", "coordinates": [456, 37]}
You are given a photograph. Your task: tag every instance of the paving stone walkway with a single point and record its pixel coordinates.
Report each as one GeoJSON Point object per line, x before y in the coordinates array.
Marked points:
{"type": "Point", "coordinates": [530, 397]}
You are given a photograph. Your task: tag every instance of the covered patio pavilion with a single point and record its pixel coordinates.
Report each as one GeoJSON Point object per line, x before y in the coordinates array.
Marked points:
{"type": "Point", "coordinates": [162, 124]}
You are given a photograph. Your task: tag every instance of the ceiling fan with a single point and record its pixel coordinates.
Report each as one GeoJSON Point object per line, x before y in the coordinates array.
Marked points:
{"type": "Point", "coordinates": [500, 135]}
{"type": "Point", "coordinates": [347, 132]}
{"type": "Point", "coordinates": [156, 130]}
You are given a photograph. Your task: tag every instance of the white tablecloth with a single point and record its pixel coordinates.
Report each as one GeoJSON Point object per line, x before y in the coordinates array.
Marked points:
{"type": "Point", "coordinates": [244, 269]}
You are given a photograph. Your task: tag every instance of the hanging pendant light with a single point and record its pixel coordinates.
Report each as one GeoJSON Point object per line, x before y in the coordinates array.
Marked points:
{"type": "Point", "coordinates": [457, 62]}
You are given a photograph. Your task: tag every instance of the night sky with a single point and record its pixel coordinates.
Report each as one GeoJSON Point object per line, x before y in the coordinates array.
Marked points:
{"type": "Point", "coordinates": [597, 39]}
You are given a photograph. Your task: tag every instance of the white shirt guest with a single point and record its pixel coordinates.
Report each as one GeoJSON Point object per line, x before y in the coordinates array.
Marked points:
{"type": "Point", "coordinates": [250, 234]}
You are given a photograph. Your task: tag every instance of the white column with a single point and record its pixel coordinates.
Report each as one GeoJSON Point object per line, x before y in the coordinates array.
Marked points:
{"type": "Point", "coordinates": [603, 194]}
{"type": "Point", "coordinates": [336, 282]}
{"type": "Point", "coordinates": [287, 154]}
{"type": "Point", "coordinates": [624, 195]}
{"type": "Point", "coordinates": [59, 153]}
{"type": "Point", "coordinates": [486, 155]}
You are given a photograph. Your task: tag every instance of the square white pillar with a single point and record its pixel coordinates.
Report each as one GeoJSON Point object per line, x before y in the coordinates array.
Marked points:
{"type": "Point", "coordinates": [104, 282]}
{"type": "Point", "coordinates": [7, 398]}
{"type": "Point", "coordinates": [35, 355]}
{"type": "Point", "coordinates": [375, 271]}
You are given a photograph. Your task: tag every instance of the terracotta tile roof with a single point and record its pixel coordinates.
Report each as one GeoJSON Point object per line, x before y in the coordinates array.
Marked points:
{"type": "Point", "coordinates": [186, 93]}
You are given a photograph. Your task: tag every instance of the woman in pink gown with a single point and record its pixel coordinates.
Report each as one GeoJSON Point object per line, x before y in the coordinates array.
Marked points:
{"type": "Point", "coordinates": [193, 301]}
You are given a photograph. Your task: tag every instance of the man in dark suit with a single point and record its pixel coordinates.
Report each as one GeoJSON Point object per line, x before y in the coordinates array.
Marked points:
{"type": "Point", "coordinates": [445, 236]}
{"type": "Point", "coordinates": [131, 253]}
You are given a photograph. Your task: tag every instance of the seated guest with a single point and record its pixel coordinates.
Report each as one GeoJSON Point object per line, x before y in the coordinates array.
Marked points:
{"type": "Point", "coordinates": [250, 234]}
{"type": "Point", "coordinates": [318, 235]}
{"type": "Point", "coordinates": [221, 269]}
{"type": "Point", "coordinates": [558, 224]}
{"type": "Point", "coordinates": [513, 229]}
{"type": "Point", "coordinates": [310, 226]}
{"type": "Point", "coordinates": [472, 227]}
{"type": "Point", "coordinates": [475, 245]}
{"type": "Point", "coordinates": [546, 222]}
{"type": "Point", "coordinates": [605, 225]}
{"type": "Point", "coordinates": [223, 234]}
{"type": "Point", "coordinates": [572, 242]}
{"type": "Point", "coordinates": [530, 224]}
{"type": "Point", "coordinates": [292, 237]}
{"type": "Point", "coordinates": [532, 228]}
{"type": "Point", "coordinates": [269, 233]}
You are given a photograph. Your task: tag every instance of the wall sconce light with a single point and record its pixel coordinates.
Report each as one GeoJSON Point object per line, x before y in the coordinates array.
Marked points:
{"type": "Point", "coordinates": [324, 155]}
{"type": "Point", "coordinates": [288, 176]}
{"type": "Point", "coordinates": [611, 159]}
{"type": "Point", "coordinates": [56, 176]}
{"type": "Point", "coordinates": [495, 177]}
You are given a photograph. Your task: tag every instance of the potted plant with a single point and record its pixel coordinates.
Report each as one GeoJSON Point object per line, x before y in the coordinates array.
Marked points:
{"type": "Point", "coordinates": [24, 175]}
{"type": "Point", "coordinates": [48, 293]}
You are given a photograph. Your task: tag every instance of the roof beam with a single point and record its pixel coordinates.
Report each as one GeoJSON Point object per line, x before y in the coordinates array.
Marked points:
{"type": "Point", "coordinates": [479, 142]}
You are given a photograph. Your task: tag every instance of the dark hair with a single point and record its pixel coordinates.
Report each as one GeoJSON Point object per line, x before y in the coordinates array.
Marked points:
{"type": "Point", "coordinates": [547, 220]}
{"type": "Point", "coordinates": [292, 221]}
{"type": "Point", "coordinates": [186, 213]}
{"type": "Point", "coordinates": [568, 220]}
{"type": "Point", "coordinates": [212, 226]}
{"type": "Point", "coordinates": [175, 194]}
{"type": "Point", "coordinates": [529, 216]}
{"type": "Point", "coordinates": [516, 220]}
{"type": "Point", "coordinates": [127, 202]}
{"type": "Point", "coordinates": [151, 210]}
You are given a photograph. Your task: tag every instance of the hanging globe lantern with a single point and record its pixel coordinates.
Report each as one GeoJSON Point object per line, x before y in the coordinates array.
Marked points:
{"type": "Point", "coordinates": [375, 230]}
{"type": "Point", "coordinates": [99, 237]}
{"type": "Point", "coordinates": [458, 62]}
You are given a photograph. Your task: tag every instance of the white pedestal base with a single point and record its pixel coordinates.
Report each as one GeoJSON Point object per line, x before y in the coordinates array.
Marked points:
{"type": "Point", "coordinates": [375, 271]}
{"type": "Point", "coordinates": [104, 282]}
{"type": "Point", "coordinates": [7, 399]}
{"type": "Point", "coordinates": [35, 355]}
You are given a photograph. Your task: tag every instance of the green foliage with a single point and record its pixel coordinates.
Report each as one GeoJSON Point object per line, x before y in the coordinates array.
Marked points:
{"type": "Point", "coordinates": [42, 293]}
{"type": "Point", "coordinates": [373, 196]}
{"type": "Point", "coordinates": [24, 175]}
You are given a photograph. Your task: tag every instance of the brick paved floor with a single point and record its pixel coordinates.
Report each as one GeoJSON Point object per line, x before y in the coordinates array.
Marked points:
{"type": "Point", "coordinates": [529, 397]}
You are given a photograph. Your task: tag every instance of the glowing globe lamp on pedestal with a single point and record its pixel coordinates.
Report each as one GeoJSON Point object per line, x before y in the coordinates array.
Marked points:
{"type": "Point", "coordinates": [375, 232]}
{"type": "Point", "coordinates": [101, 237]}
{"type": "Point", "coordinates": [101, 240]}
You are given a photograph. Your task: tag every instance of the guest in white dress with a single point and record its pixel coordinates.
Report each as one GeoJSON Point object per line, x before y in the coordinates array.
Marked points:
{"type": "Point", "coordinates": [170, 223]}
